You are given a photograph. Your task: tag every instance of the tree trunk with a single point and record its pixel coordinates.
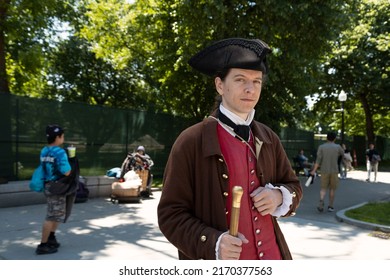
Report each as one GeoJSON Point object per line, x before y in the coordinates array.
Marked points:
{"type": "Point", "coordinates": [370, 136]}
{"type": "Point", "coordinates": [4, 87]}
{"type": "Point", "coordinates": [7, 171]}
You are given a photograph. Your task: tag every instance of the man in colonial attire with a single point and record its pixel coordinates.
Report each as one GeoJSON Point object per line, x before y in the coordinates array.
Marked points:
{"type": "Point", "coordinates": [227, 149]}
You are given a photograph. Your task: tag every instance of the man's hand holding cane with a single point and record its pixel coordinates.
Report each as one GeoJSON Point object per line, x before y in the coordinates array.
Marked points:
{"type": "Point", "coordinates": [230, 245]}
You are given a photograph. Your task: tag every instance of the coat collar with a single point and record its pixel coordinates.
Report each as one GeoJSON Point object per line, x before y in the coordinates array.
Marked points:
{"type": "Point", "coordinates": [210, 142]}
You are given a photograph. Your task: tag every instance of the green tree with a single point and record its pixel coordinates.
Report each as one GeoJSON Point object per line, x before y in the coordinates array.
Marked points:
{"type": "Point", "coordinates": [165, 34]}
{"type": "Point", "coordinates": [76, 74]}
{"type": "Point", "coordinates": [26, 27]}
{"type": "Point", "coordinates": [359, 65]}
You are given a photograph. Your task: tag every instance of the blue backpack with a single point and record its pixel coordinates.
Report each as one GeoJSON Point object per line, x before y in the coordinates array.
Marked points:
{"type": "Point", "coordinates": [37, 182]}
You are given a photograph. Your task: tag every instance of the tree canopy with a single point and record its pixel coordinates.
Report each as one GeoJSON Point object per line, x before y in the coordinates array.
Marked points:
{"type": "Point", "coordinates": [359, 65]}
{"type": "Point", "coordinates": [172, 31]}
{"type": "Point", "coordinates": [134, 54]}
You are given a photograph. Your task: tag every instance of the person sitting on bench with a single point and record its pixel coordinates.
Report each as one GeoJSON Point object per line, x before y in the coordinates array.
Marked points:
{"type": "Point", "coordinates": [303, 162]}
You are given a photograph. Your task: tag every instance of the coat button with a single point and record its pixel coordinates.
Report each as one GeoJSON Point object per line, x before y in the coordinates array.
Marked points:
{"type": "Point", "coordinates": [225, 176]}
{"type": "Point", "coordinates": [294, 194]}
{"type": "Point", "coordinates": [220, 159]}
{"type": "Point", "coordinates": [203, 238]}
{"type": "Point", "coordinates": [225, 194]}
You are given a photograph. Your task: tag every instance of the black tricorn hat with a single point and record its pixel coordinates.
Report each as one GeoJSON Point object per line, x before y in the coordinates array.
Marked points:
{"type": "Point", "coordinates": [232, 53]}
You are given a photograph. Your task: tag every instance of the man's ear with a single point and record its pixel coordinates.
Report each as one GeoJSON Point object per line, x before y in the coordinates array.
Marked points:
{"type": "Point", "coordinates": [218, 85]}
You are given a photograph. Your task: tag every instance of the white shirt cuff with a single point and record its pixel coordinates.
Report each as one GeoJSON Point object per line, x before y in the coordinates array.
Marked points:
{"type": "Point", "coordinates": [287, 200]}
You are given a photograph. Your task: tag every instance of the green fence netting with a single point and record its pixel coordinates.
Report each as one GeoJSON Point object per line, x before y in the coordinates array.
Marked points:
{"type": "Point", "coordinates": [101, 135]}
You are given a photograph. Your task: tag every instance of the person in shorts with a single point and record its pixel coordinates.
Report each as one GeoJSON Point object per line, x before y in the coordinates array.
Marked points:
{"type": "Point", "coordinates": [55, 164]}
{"type": "Point", "coordinates": [372, 159]}
{"type": "Point", "coordinates": [327, 160]}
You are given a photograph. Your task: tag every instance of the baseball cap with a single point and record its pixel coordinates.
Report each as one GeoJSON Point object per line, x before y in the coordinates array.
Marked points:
{"type": "Point", "coordinates": [53, 130]}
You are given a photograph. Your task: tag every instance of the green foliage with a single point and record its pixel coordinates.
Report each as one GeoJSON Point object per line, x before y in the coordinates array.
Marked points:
{"type": "Point", "coordinates": [27, 26]}
{"type": "Point", "coordinates": [76, 74]}
{"type": "Point", "coordinates": [358, 64]}
{"type": "Point", "coordinates": [167, 33]}
{"type": "Point", "coordinates": [135, 53]}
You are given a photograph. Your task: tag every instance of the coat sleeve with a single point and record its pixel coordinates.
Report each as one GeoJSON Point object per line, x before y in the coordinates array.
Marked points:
{"type": "Point", "coordinates": [176, 210]}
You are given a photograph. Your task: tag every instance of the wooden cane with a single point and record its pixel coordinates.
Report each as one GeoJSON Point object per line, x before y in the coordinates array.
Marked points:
{"type": "Point", "coordinates": [235, 212]}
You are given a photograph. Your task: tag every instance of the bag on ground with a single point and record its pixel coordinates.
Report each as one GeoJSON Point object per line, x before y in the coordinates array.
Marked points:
{"type": "Point", "coordinates": [82, 193]}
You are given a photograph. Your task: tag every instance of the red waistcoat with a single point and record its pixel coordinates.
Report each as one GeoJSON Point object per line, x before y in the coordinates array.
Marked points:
{"type": "Point", "coordinates": [256, 228]}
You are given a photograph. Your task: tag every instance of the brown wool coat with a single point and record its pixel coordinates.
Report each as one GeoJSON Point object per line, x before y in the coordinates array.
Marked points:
{"type": "Point", "coordinates": [191, 212]}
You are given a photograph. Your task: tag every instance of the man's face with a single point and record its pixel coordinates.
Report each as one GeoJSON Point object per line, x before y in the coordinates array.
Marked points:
{"type": "Point", "coordinates": [240, 90]}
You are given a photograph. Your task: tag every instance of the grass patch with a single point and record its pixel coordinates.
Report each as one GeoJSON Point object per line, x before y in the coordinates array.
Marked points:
{"type": "Point", "coordinates": [157, 182]}
{"type": "Point", "coordinates": [377, 213]}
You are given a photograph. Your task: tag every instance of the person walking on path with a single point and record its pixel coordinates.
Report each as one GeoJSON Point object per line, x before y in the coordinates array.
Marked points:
{"type": "Point", "coordinates": [372, 159]}
{"type": "Point", "coordinates": [229, 149]}
{"type": "Point", "coordinates": [55, 162]}
{"type": "Point", "coordinates": [328, 155]}
{"type": "Point", "coordinates": [347, 160]}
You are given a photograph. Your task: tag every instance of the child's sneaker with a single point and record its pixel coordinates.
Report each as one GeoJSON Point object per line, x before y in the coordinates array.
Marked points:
{"type": "Point", "coordinates": [52, 242]}
{"type": "Point", "coordinates": [45, 249]}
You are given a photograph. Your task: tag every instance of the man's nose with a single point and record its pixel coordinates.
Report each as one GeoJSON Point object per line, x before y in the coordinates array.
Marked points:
{"type": "Point", "coordinates": [250, 87]}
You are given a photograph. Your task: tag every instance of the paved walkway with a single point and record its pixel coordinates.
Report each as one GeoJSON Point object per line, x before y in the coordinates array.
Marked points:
{"type": "Point", "coordinates": [101, 230]}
